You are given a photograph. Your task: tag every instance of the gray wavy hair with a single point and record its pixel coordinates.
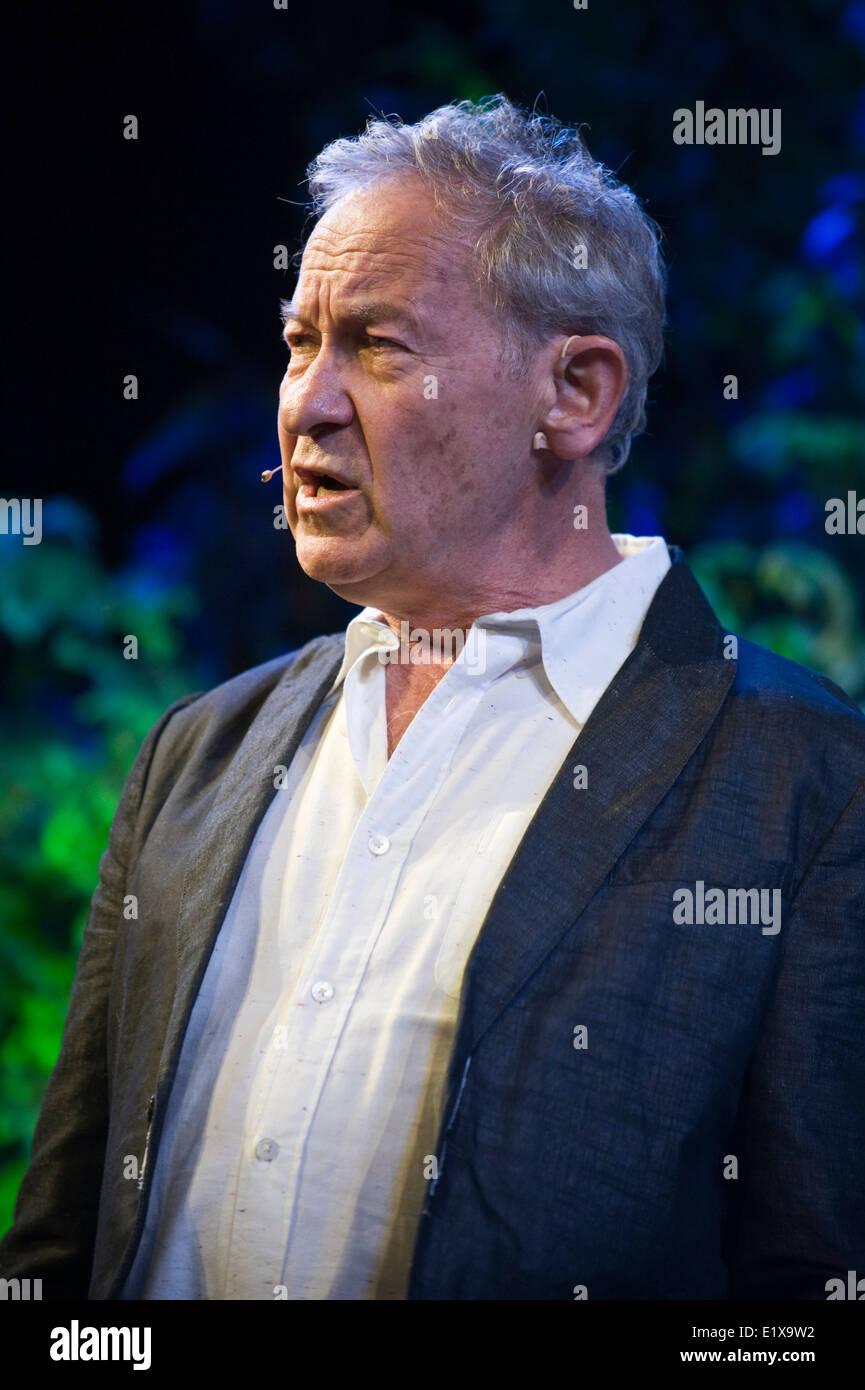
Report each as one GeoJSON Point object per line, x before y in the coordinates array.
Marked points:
{"type": "Point", "coordinates": [528, 191]}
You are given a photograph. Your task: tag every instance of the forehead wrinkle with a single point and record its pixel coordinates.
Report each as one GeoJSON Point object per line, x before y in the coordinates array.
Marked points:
{"type": "Point", "coordinates": [398, 242]}
{"type": "Point", "coordinates": [371, 311]}
{"type": "Point", "coordinates": [371, 292]}
{"type": "Point", "coordinates": [371, 271]}
{"type": "Point", "coordinates": [365, 239]}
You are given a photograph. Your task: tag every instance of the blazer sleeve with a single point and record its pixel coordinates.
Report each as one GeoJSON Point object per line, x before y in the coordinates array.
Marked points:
{"type": "Point", "coordinates": [800, 1205]}
{"type": "Point", "coordinates": [54, 1229]}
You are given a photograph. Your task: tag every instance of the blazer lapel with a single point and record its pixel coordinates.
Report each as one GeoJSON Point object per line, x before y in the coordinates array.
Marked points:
{"type": "Point", "coordinates": [640, 735]}
{"type": "Point", "coordinates": [638, 738]}
{"type": "Point", "coordinates": [244, 794]}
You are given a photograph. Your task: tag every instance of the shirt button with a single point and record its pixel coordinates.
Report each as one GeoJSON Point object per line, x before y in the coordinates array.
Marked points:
{"type": "Point", "coordinates": [379, 844]}
{"type": "Point", "coordinates": [266, 1149]}
{"type": "Point", "coordinates": [321, 991]}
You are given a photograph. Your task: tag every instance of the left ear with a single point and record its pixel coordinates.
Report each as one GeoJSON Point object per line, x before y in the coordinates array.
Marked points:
{"type": "Point", "coordinates": [588, 379]}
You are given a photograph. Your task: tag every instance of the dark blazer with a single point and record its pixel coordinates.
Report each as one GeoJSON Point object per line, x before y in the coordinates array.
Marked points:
{"type": "Point", "coordinates": [705, 1142]}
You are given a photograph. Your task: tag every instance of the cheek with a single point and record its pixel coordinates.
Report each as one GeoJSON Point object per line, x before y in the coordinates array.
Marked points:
{"type": "Point", "coordinates": [442, 427]}
{"type": "Point", "coordinates": [431, 454]}
{"type": "Point", "coordinates": [434, 469]}
{"type": "Point", "coordinates": [425, 458]}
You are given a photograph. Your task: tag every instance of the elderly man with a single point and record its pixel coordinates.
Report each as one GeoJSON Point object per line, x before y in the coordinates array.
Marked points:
{"type": "Point", "coordinates": [509, 944]}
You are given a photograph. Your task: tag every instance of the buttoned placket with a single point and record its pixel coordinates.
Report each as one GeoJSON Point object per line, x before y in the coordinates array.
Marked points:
{"type": "Point", "coordinates": [400, 793]}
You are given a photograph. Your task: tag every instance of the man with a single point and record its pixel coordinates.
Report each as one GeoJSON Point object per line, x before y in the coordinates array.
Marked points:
{"type": "Point", "coordinates": [509, 945]}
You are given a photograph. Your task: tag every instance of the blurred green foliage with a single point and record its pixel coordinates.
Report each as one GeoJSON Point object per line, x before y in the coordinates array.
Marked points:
{"type": "Point", "coordinates": [75, 713]}
{"type": "Point", "coordinates": [790, 597]}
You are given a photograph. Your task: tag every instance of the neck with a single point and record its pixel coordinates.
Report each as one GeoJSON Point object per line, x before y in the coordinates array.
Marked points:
{"type": "Point", "coordinates": [518, 588]}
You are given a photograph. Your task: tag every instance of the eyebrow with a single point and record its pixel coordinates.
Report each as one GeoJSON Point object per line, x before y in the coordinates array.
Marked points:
{"type": "Point", "coordinates": [373, 311]}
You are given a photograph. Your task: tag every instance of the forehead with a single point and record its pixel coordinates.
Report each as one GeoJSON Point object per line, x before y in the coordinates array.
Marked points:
{"type": "Point", "coordinates": [386, 237]}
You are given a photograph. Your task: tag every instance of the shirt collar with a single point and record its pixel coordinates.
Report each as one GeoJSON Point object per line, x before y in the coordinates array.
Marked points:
{"type": "Point", "coordinates": [582, 639]}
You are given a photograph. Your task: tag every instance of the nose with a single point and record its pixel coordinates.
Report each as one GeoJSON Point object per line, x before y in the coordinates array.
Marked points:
{"type": "Point", "coordinates": [314, 394]}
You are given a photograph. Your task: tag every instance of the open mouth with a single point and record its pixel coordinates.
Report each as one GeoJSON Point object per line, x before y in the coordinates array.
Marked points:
{"type": "Point", "coordinates": [320, 490]}
{"type": "Point", "coordinates": [327, 484]}
{"type": "Point", "coordinates": [316, 483]}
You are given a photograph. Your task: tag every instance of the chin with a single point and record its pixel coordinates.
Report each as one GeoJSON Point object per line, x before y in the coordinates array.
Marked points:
{"type": "Point", "coordinates": [336, 564]}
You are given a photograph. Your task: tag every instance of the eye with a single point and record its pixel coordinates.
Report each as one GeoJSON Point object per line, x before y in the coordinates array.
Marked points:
{"type": "Point", "coordinates": [373, 341]}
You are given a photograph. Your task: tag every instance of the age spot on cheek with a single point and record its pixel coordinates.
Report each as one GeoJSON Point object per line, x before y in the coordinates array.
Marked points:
{"type": "Point", "coordinates": [445, 441]}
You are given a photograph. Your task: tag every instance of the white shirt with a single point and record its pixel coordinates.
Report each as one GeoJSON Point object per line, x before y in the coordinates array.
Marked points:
{"type": "Point", "coordinates": [303, 1119]}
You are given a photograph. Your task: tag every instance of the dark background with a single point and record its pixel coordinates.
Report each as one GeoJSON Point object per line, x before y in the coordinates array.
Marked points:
{"type": "Point", "coordinates": [155, 257]}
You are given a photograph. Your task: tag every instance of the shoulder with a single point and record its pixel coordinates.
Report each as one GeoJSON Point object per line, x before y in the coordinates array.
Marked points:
{"type": "Point", "coordinates": [770, 699]}
{"type": "Point", "coordinates": [768, 687]}
{"type": "Point", "coordinates": [227, 710]}
{"type": "Point", "coordinates": [249, 689]}
{"type": "Point", "coordinates": [792, 745]}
